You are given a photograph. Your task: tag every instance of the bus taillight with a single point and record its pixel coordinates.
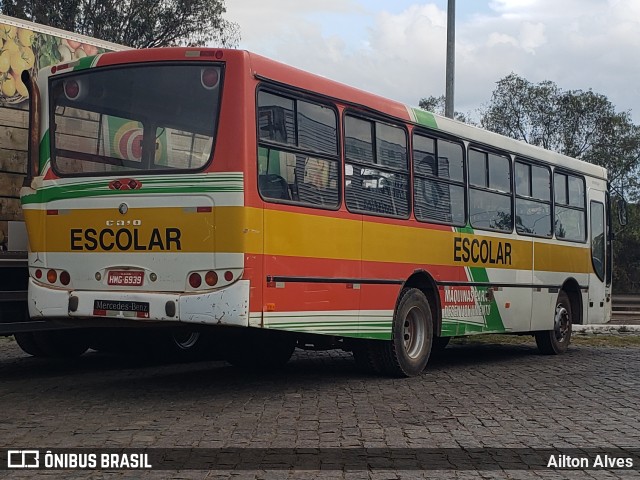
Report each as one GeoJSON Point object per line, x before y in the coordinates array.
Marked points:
{"type": "Point", "coordinates": [72, 89]}
{"type": "Point", "coordinates": [204, 279]}
{"type": "Point", "coordinates": [52, 276]}
{"type": "Point", "coordinates": [65, 278]}
{"type": "Point", "coordinates": [211, 278]}
{"type": "Point", "coordinates": [195, 280]}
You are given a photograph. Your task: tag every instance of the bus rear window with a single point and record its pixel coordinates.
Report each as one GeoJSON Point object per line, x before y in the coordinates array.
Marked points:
{"type": "Point", "coordinates": [134, 119]}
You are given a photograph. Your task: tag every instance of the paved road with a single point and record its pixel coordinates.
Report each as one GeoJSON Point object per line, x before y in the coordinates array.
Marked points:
{"type": "Point", "coordinates": [499, 397]}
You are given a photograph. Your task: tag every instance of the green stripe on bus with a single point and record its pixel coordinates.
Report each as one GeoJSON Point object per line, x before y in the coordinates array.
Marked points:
{"type": "Point", "coordinates": [151, 186]}
{"type": "Point", "coordinates": [493, 321]}
{"type": "Point", "coordinates": [425, 118]}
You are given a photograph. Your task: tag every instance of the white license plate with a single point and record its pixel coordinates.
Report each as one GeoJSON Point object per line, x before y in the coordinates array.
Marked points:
{"type": "Point", "coordinates": [125, 278]}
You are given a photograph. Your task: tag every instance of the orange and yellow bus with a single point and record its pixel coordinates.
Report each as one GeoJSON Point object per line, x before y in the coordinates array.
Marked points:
{"type": "Point", "coordinates": [274, 208]}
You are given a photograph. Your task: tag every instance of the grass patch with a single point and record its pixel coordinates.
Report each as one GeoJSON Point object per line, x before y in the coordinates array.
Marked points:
{"type": "Point", "coordinates": [594, 340]}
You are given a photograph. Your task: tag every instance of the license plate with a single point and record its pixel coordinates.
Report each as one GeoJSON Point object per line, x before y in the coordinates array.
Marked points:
{"type": "Point", "coordinates": [125, 278]}
{"type": "Point", "coordinates": [137, 309]}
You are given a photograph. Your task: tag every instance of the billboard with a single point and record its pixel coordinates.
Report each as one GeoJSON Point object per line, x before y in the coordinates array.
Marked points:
{"type": "Point", "coordinates": [25, 49]}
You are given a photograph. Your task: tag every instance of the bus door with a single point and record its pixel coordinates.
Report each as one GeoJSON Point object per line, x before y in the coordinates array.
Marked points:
{"type": "Point", "coordinates": [599, 307]}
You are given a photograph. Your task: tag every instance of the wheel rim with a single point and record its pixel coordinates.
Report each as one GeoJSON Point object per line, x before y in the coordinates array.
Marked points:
{"type": "Point", "coordinates": [186, 340]}
{"type": "Point", "coordinates": [413, 332]}
{"type": "Point", "coordinates": [562, 323]}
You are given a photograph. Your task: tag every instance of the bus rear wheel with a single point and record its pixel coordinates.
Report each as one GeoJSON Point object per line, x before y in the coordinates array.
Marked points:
{"type": "Point", "coordinates": [556, 341]}
{"type": "Point", "coordinates": [53, 343]}
{"type": "Point", "coordinates": [27, 343]}
{"type": "Point", "coordinates": [408, 351]}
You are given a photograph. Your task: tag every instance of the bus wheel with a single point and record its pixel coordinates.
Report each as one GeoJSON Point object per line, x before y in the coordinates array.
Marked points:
{"type": "Point", "coordinates": [191, 344]}
{"type": "Point", "coordinates": [54, 343]}
{"type": "Point", "coordinates": [556, 341]}
{"type": "Point", "coordinates": [184, 341]}
{"type": "Point", "coordinates": [27, 343]}
{"type": "Point", "coordinates": [408, 351]}
{"type": "Point", "coordinates": [260, 349]}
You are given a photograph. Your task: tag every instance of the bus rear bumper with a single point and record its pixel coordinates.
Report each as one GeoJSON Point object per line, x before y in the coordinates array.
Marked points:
{"type": "Point", "coordinates": [228, 306]}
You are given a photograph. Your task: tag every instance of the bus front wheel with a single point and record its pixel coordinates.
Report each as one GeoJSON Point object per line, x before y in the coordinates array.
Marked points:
{"type": "Point", "coordinates": [407, 353]}
{"type": "Point", "coordinates": [556, 341]}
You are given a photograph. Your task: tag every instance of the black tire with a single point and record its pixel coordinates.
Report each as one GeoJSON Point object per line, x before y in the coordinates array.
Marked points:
{"type": "Point", "coordinates": [259, 349]}
{"type": "Point", "coordinates": [54, 343]}
{"type": "Point", "coordinates": [175, 344]}
{"type": "Point", "coordinates": [408, 351]}
{"type": "Point", "coordinates": [187, 344]}
{"type": "Point", "coordinates": [28, 344]}
{"type": "Point", "coordinates": [557, 340]}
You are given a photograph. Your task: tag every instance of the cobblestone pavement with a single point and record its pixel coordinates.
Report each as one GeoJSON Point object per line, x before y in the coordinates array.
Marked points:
{"type": "Point", "coordinates": [473, 396]}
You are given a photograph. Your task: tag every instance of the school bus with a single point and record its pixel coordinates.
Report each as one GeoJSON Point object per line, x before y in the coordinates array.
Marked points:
{"type": "Point", "coordinates": [277, 209]}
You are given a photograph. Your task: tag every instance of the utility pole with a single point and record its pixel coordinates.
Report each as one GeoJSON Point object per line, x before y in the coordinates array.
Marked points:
{"type": "Point", "coordinates": [451, 58]}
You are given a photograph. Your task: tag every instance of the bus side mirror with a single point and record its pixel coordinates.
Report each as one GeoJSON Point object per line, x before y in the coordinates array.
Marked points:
{"type": "Point", "coordinates": [623, 215]}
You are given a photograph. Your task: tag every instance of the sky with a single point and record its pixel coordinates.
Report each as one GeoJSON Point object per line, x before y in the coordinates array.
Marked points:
{"type": "Point", "coordinates": [397, 48]}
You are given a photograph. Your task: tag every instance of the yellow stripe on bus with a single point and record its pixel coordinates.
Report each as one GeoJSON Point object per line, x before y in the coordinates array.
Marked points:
{"type": "Point", "coordinates": [241, 229]}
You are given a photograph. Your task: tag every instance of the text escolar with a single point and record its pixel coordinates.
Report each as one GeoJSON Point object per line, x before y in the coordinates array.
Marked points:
{"type": "Point", "coordinates": [481, 251]}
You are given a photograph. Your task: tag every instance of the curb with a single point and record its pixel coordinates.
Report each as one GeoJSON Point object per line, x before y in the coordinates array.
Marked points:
{"type": "Point", "coordinates": [606, 329]}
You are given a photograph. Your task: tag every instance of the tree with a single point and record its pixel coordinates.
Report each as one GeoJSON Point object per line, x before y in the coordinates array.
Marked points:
{"type": "Point", "coordinates": [135, 23]}
{"type": "Point", "coordinates": [576, 123]}
{"type": "Point", "coordinates": [436, 105]}
{"type": "Point", "coordinates": [626, 255]}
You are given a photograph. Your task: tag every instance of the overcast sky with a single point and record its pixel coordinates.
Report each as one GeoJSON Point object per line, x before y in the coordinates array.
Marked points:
{"type": "Point", "coordinates": [396, 48]}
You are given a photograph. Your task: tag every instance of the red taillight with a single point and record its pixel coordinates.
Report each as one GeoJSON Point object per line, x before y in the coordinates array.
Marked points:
{"type": "Point", "coordinates": [71, 89]}
{"type": "Point", "coordinates": [195, 280]}
{"type": "Point", "coordinates": [65, 278]}
{"type": "Point", "coordinates": [228, 276]}
{"type": "Point", "coordinates": [38, 274]}
{"type": "Point", "coordinates": [211, 278]}
{"type": "Point", "coordinates": [52, 276]}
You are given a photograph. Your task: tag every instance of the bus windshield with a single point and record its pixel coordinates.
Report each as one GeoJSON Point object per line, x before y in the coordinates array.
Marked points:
{"type": "Point", "coordinates": [142, 118]}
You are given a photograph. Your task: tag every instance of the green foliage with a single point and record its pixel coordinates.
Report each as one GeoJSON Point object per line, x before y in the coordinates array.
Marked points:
{"type": "Point", "coordinates": [576, 123]}
{"type": "Point", "coordinates": [626, 254]}
{"type": "Point", "coordinates": [136, 23]}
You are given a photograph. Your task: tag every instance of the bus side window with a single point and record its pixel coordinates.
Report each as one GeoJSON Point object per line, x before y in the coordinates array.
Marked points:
{"type": "Point", "coordinates": [439, 192]}
{"type": "Point", "coordinates": [297, 150]}
{"type": "Point", "coordinates": [570, 208]}
{"type": "Point", "coordinates": [490, 206]}
{"type": "Point", "coordinates": [377, 173]}
{"type": "Point", "coordinates": [533, 199]}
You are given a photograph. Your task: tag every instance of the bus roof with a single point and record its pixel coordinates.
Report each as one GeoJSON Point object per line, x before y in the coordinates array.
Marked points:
{"type": "Point", "coordinates": [268, 69]}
